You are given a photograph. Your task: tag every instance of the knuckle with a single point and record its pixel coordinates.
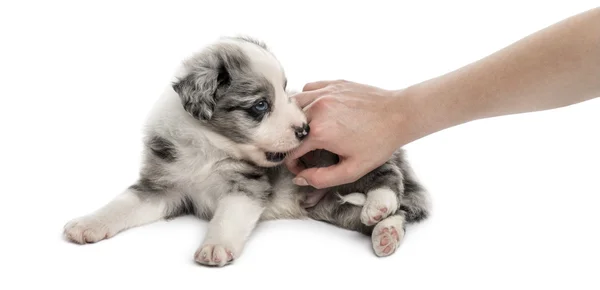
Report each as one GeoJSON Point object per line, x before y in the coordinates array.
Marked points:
{"type": "Point", "coordinates": [316, 131]}
{"type": "Point", "coordinates": [324, 102]}
{"type": "Point", "coordinates": [338, 89]}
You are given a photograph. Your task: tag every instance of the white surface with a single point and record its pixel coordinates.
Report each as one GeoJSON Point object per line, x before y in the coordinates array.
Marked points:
{"type": "Point", "coordinates": [515, 198]}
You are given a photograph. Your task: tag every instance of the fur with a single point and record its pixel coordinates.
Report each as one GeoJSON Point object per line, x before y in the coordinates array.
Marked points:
{"type": "Point", "coordinates": [214, 146]}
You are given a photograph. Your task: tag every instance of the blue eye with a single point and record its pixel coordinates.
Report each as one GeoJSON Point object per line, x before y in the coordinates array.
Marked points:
{"type": "Point", "coordinates": [261, 106]}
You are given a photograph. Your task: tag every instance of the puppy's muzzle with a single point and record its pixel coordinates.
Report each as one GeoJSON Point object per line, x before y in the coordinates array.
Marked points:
{"type": "Point", "coordinates": [301, 131]}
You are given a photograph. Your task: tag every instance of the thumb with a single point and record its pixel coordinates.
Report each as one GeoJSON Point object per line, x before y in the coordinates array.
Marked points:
{"type": "Point", "coordinates": [323, 177]}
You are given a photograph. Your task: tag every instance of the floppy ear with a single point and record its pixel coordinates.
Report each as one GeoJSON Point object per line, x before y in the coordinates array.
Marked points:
{"type": "Point", "coordinates": [198, 90]}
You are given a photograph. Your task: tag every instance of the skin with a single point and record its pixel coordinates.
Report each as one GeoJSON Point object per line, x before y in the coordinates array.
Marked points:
{"type": "Point", "coordinates": [555, 67]}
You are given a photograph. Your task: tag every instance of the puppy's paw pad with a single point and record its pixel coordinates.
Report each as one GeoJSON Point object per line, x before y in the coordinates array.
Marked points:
{"type": "Point", "coordinates": [86, 230]}
{"type": "Point", "coordinates": [386, 239]}
{"type": "Point", "coordinates": [214, 255]}
{"type": "Point", "coordinates": [377, 208]}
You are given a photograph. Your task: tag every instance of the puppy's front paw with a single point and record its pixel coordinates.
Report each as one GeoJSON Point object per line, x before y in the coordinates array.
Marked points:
{"type": "Point", "coordinates": [86, 230]}
{"type": "Point", "coordinates": [387, 236]}
{"type": "Point", "coordinates": [214, 255]}
{"type": "Point", "coordinates": [380, 203]}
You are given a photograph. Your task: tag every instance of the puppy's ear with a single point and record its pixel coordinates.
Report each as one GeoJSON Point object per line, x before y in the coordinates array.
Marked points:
{"type": "Point", "coordinates": [198, 90]}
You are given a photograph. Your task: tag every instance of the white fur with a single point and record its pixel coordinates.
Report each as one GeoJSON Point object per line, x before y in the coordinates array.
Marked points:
{"type": "Point", "coordinates": [202, 156]}
{"type": "Point", "coordinates": [379, 204]}
{"type": "Point", "coordinates": [234, 219]}
{"type": "Point", "coordinates": [276, 134]}
{"type": "Point", "coordinates": [388, 235]}
{"type": "Point", "coordinates": [125, 211]}
{"type": "Point", "coordinates": [355, 198]}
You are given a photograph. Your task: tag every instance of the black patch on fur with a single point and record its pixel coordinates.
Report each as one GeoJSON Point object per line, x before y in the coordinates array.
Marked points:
{"type": "Point", "coordinates": [384, 171]}
{"type": "Point", "coordinates": [411, 186]}
{"type": "Point", "coordinates": [208, 78]}
{"type": "Point", "coordinates": [250, 180]}
{"type": "Point", "coordinates": [413, 215]}
{"type": "Point", "coordinates": [162, 148]}
{"type": "Point", "coordinates": [223, 76]}
{"type": "Point", "coordinates": [242, 189]}
{"type": "Point", "coordinates": [268, 193]}
{"type": "Point", "coordinates": [233, 115]}
{"type": "Point", "coordinates": [198, 104]}
{"type": "Point", "coordinates": [342, 215]}
{"type": "Point", "coordinates": [394, 174]}
{"type": "Point", "coordinates": [252, 175]}
{"type": "Point", "coordinates": [221, 88]}
{"type": "Point", "coordinates": [146, 185]}
{"type": "Point", "coordinates": [186, 207]}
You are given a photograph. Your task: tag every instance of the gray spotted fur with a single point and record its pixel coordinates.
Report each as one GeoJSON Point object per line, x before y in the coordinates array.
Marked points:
{"type": "Point", "coordinates": [189, 171]}
{"type": "Point", "coordinates": [218, 89]}
{"type": "Point", "coordinates": [395, 174]}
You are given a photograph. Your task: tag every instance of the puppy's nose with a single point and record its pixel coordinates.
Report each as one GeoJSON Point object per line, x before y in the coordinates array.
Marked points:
{"type": "Point", "coordinates": [301, 131]}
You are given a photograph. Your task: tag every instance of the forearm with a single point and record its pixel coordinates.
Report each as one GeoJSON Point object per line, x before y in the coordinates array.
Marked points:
{"type": "Point", "coordinates": [555, 67]}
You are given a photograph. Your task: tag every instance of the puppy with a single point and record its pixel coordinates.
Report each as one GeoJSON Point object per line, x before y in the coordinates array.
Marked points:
{"type": "Point", "coordinates": [214, 146]}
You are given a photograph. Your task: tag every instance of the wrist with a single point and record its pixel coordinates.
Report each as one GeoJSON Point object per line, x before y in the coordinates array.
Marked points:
{"type": "Point", "coordinates": [408, 116]}
{"type": "Point", "coordinates": [423, 109]}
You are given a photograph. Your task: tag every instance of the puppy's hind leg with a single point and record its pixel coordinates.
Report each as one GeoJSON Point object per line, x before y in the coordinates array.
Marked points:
{"type": "Point", "coordinates": [379, 204]}
{"type": "Point", "coordinates": [342, 211]}
{"type": "Point", "coordinates": [388, 234]}
{"type": "Point", "coordinates": [133, 207]}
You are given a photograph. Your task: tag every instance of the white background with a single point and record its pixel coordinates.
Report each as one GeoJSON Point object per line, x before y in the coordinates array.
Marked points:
{"type": "Point", "coordinates": [515, 198]}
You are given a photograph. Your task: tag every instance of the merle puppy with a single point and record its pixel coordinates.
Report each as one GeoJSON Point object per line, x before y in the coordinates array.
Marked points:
{"type": "Point", "coordinates": [214, 147]}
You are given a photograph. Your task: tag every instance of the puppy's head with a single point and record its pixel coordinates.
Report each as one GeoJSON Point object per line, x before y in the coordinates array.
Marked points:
{"type": "Point", "coordinates": [237, 89]}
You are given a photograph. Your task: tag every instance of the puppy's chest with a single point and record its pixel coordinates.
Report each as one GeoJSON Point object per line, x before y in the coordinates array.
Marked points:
{"type": "Point", "coordinates": [207, 176]}
{"type": "Point", "coordinates": [193, 167]}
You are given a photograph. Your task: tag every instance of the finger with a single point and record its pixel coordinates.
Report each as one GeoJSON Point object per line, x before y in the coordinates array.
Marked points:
{"type": "Point", "coordinates": [308, 145]}
{"type": "Point", "coordinates": [312, 198]}
{"type": "Point", "coordinates": [305, 98]}
{"type": "Point", "coordinates": [316, 85]}
{"type": "Point", "coordinates": [309, 113]}
{"type": "Point", "coordinates": [324, 177]}
{"type": "Point", "coordinates": [294, 165]}
{"type": "Point", "coordinates": [292, 162]}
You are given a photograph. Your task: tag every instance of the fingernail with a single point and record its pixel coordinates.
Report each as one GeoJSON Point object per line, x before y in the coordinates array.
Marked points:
{"type": "Point", "coordinates": [300, 181]}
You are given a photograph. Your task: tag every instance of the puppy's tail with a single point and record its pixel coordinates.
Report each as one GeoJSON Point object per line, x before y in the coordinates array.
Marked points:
{"type": "Point", "coordinates": [355, 198]}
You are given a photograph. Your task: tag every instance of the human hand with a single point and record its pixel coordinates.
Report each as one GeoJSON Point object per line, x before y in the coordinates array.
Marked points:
{"type": "Point", "coordinates": [359, 123]}
{"type": "Point", "coordinates": [364, 125]}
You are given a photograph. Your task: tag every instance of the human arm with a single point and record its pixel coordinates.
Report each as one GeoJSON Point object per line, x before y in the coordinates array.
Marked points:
{"type": "Point", "coordinates": [554, 67]}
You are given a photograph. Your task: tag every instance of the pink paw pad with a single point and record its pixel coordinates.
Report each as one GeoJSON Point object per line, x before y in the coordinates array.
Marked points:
{"type": "Point", "coordinates": [386, 240]}
{"type": "Point", "coordinates": [387, 249]}
{"type": "Point", "coordinates": [376, 209]}
{"type": "Point", "coordinates": [395, 234]}
{"type": "Point", "coordinates": [376, 218]}
{"type": "Point", "coordinates": [215, 255]}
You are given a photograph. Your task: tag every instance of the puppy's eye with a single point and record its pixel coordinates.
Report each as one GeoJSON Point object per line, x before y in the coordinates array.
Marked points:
{"type": "Point", "coordinates": [261, 107]}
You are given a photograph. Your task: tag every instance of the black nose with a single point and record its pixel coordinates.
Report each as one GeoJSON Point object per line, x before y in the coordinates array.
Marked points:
{"type": "Point", "coordinates": [302, 131]}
